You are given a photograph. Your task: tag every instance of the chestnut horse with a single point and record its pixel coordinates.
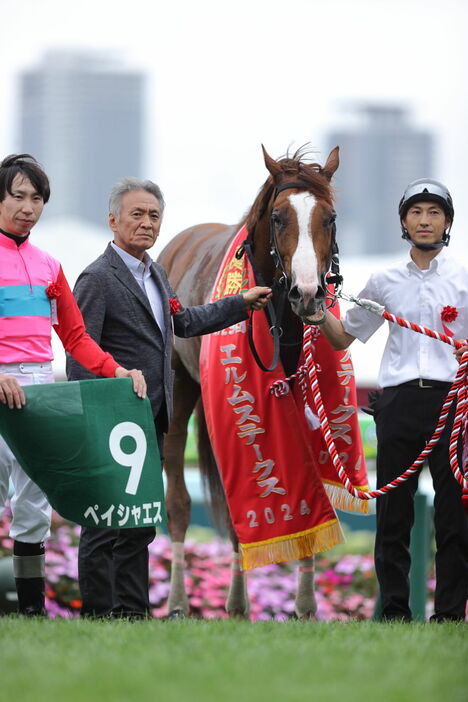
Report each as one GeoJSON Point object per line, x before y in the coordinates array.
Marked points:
{"type": "Point", "coordinates": [292, 233]}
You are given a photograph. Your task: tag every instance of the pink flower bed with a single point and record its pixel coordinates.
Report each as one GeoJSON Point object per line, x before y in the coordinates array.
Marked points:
{"type": "Point", "coordinates": [345, 584]}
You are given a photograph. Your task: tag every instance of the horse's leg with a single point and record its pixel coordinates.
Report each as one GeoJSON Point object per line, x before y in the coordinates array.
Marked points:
{"type": "Point", "coordinates": [237, 603]}
{"type": "Point", "coordinates": [305, 603]}
{"type": "Point", "coordinates": [178, 502]}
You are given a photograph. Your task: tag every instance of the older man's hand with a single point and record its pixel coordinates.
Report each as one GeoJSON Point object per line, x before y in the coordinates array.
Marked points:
{"type": "Point", "coordinates": [139, 382]}
{"type": "Point", "coordinates": [256, 298]}
{"type": "Point", "coordinates": [11, 392]}
{"type": "Point", "coordinates": [459, 352]}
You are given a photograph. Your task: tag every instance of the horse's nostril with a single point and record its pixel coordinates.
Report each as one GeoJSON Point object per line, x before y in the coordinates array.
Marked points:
{"type": "Point", "coordinates": [321, 294]}
{"type": "Point", "coordinates": [294, 295]}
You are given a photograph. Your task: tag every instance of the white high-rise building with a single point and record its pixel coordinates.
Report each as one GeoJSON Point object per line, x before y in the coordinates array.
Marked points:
{"type": "Point", "coordinates": [379, 155]}
{"type": "Point", "coordinates": [82, 118]}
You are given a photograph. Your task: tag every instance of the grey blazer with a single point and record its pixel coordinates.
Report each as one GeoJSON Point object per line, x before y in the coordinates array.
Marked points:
{"type": "Point", "coordinates": [118, 317]}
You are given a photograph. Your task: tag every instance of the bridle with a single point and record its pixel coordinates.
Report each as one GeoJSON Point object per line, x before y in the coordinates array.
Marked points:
{"type": "Point", "coordinates": [335, 278]}
{"type": "Point", "coordinates": [282, 285]}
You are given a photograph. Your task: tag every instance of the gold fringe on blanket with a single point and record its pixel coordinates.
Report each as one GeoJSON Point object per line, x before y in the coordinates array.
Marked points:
{"type": "Point", "coordinates": [342, 499]}
{"type": "Point", "coordinates": [292, 546]}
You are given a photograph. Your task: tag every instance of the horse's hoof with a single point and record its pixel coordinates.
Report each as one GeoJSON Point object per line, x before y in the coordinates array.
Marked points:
{"type": "Point", "coordinates": [306, 617]}
{"type": "Point", "coordinates": [237, 614]}
{"type": "Point", "coordinates": [176, 614]}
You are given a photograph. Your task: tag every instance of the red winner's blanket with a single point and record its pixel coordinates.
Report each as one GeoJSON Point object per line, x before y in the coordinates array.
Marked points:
{"type": "Point", "coordinates": [263, 445]}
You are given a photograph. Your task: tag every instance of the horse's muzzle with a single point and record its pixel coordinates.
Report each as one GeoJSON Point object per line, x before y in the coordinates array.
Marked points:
{"type": "Point", "coordinates": [310, 309]}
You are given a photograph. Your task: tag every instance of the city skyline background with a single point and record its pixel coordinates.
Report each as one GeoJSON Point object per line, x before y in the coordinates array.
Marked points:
{"type": "Point", "coordinates": [381, 154]}
{"type": "Point", "coordinates": [221, 79]}
{"type": "Point", "coordinates": [68, 100]}
{"type": "Point", "coordinates": [84, 109]}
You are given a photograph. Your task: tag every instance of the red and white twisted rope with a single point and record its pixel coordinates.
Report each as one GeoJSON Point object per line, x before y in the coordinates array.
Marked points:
{"type": "Point", "coordinates": [459, 387]}
{"type": "Point", "coordinates": [281, 387]}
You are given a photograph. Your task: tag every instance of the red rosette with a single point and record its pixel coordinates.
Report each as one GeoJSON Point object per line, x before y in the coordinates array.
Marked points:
{"type": "Point", "coordinates": [53, 291]}
{"type": "Point", "coordinates": [174, 305]}
{"type": "Point", "coordinates": [449, 314]}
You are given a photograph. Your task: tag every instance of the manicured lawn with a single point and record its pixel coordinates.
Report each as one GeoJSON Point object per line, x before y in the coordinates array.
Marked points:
{"type": "Point", "coordinates": [231, 661]}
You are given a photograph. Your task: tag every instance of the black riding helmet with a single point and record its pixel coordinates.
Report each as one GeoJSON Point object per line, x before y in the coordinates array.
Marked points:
{"type": "Point", "coordinates": [427, 190]}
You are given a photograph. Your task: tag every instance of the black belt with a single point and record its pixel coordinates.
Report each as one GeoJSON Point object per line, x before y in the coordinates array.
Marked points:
{"type": "Point", "coordinates": [425, 383]}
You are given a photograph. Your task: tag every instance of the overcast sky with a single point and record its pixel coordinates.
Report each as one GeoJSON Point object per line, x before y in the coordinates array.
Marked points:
{"type": "Point", "coordinates": [224, 77]}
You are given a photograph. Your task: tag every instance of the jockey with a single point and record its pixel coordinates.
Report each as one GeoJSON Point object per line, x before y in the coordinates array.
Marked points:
{"type": "Point", "coordinates": [429, 288]}
{"type": "Point", "coordinates": [34, 296]}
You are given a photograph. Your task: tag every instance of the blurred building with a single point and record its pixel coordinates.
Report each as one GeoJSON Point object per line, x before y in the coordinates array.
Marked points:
{"type": "Point", "coordinates": [379, 155]}
{"type": "Point", "coordinates": [82, 118]}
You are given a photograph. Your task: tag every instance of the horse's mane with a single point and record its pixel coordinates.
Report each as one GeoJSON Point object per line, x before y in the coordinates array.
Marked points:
{"type": "Point", "coordinates": [293, 168]}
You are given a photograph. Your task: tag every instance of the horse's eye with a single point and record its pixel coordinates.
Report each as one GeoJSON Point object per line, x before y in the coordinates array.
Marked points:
{"type": "Point", "coordinates": [276, 219]}
{"type": "Point", "coordinates": [331, 220]}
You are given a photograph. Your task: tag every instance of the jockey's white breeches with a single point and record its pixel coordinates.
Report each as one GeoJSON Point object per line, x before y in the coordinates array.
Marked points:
{"type": "Point", "coordinates": [30, 509]}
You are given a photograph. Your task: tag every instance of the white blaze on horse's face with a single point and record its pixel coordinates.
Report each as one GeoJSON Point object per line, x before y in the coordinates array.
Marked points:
{"type": "Point", "coordinates": [304, 266]}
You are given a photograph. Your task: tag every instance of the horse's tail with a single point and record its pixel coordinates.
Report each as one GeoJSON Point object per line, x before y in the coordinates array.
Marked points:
{"type": "Point", "coordinates": [211, 480]}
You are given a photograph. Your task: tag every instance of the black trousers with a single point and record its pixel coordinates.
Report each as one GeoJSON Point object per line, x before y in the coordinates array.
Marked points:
{"type": "Point", "coordinates": [113, 569]}
{"type": "Point", "coordinates": [405, 420]}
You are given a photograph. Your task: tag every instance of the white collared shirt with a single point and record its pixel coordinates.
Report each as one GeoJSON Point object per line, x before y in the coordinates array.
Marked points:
{"type": "Point", "coordinates": [141, 271]}
{"type": "Point", "coordinates": [418, 296]}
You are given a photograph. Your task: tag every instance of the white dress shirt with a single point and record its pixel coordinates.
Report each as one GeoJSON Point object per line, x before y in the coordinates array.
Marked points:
{"type": "Point", "coordinates": [141, 271]}
{"type": "Point", "coordinates": [417, 296]}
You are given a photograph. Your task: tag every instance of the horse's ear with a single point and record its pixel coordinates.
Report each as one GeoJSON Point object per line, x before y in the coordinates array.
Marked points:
{"type": "Point", "coordinates": [333, 161]}
{"type": "Point", "coordinates": [273, 167]}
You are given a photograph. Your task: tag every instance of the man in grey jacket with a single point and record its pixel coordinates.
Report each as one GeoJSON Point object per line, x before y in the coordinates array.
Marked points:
{"type": "Point", "coordinates": [126, 301]}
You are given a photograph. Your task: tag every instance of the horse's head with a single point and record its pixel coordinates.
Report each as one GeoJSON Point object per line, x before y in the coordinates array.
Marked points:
{"type": "Point", "coordinates": [297, 200]}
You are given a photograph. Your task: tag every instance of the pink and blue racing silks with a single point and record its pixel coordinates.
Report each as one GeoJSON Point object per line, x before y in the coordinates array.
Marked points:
{"type": "Point", "coordinates": [25, 311]}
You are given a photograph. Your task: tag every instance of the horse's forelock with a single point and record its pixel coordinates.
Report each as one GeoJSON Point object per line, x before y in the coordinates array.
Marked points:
{"type": "Point", "coordinates": [312, 174]}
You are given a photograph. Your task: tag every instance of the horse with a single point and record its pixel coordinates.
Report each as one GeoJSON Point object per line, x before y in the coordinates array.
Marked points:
{"type": "Point", "coordinates": [291, 226]}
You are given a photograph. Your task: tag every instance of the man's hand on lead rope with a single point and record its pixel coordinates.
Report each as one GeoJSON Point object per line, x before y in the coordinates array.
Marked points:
{"type": "Point", "coordinates": [256, 298]}
{"type": "Point", "coordinates": [459, 352]}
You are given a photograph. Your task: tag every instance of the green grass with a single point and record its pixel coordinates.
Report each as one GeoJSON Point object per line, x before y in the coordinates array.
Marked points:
{"type": "Point", "coordinates": [231, 661]}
